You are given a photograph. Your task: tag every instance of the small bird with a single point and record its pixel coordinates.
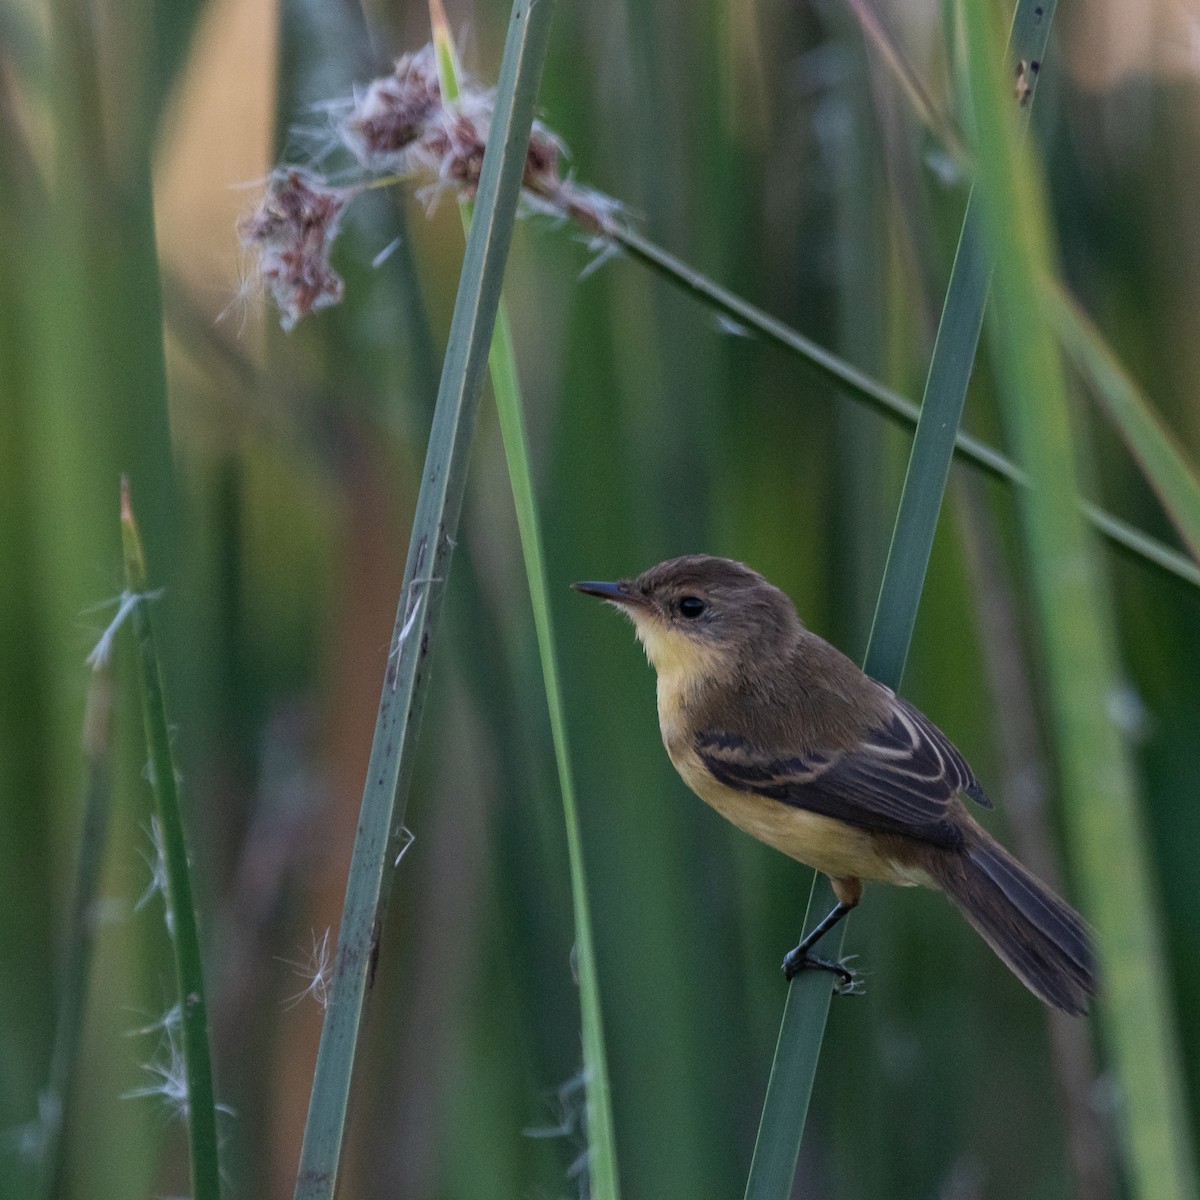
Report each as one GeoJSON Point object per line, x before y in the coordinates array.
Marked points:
{"type": "Point", "coordinates": [786, 737]}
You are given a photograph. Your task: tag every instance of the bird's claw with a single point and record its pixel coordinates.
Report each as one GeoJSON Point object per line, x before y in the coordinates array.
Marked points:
{"type": "Point", "coordinates": [848, 983]}
{"type": "Point", "coordinates": [856, 986]}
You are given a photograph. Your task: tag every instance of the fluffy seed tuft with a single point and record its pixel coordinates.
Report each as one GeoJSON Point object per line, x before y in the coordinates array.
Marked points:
{"type": "Point", "coordinates": [387, 125]}
{"type": "Point", "coordinates": [292, 231]}
{"type": "Point", "coordinates": [398, 127]}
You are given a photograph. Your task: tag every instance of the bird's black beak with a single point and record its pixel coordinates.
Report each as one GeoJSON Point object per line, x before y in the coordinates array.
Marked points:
{"type": "Point", "coordinates": [617, 593]}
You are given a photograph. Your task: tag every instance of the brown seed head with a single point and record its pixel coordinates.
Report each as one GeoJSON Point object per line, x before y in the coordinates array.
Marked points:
{"type": "Point", "coordinates": [387, 127]}
{"type": "Point", "coordinates": [291, 231]}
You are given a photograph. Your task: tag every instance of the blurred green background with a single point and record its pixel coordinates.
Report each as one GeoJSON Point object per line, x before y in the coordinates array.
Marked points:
{"type": "Point", "coordinates": [274, 477]}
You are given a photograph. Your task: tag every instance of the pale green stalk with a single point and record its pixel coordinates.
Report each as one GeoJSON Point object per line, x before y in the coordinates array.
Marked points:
{"type": "Point", "coordinates": [75, 972]}
{"type": "Point", "coordinates": [181, 912]}
{"type": "Point", "coordinates": [602, 1158]}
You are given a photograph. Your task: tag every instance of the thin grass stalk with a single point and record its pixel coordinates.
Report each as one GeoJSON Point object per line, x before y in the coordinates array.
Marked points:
{"type": "Point", "coordinates": [1153, 446]}
{"type": "Point", "coordinates": [1077, 631]}
{"type": "Point", "coordinates": [75, 972]}
{"type": "Point", "coordinates": [601, 1142]}
{"type": "Point", "coordinates": [932, 450]}
{"type": "Point", "coordinates": [431, 546]}
{"type": "Point", "coordinates": [789, 1086]}
{"type": "Point", "coordinates": [181, 912]}
{"type": "Point", "coordinates": [884, 400]}
{"type": "Point", "coordinates": [1140, 546]}
{"type": "Point", "coordinates": [502, 363]}
{"type": "Point", "coordinates": [789, 1089]}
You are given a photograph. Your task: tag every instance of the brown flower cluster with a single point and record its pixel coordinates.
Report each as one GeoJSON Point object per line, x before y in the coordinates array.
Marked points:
{"type": "Point", "coordinates": [398, 126]}
{"type": "Point", "coordinates": [292, 230]}
{"type": "Point", "coordinates": [387, 126]}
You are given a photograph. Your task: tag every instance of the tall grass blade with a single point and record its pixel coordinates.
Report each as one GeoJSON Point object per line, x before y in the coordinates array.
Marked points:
{"type": "Point", "coordinates": [932, 450]}
{"type": "Point", "coordinates": [786, 1106]}
{"type": "Point", "coordinates": [1151, 443]}
{"type": "Point", "coordinates": [502, 362]}
{"type": "Point", "coordinates": [1078, 638]}
{"type": "Point", "coordinates": [430, 549]}
{"type": "Point", "coordinates": [602, 1151]}
{"type": "Point", "coordinates": [193, 1013]}
{"type": "Point", "coordinates": [77, 957]}
{"type": "Point", "coordinates": [946, 392]}
{"type": "Point", "coordinates": [789, 1087]}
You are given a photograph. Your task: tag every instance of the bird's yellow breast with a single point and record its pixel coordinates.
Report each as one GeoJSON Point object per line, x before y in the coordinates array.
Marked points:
{"type": "Point", "coordinates": [834, 847]}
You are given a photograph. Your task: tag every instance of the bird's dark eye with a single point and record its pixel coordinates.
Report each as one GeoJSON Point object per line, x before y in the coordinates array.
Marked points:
{"type": "Point", "coordinates": [691, 607]}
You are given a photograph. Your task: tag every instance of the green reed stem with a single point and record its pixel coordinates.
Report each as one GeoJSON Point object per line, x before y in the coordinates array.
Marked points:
{"type": "Point", "coordinates": [790, 1087]}
{"type": "Point", "coordinates": [435, 525]}
{"type": "Point", "coordinates": [181, 912]}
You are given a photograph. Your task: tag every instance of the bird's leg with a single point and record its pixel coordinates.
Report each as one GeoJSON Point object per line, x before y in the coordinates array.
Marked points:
{"type": "Point", "coordinates": [848, 892]}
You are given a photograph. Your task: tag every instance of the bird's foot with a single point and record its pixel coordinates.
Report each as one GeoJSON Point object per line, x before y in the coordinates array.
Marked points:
{"type": "Point", "coordinates": [856, 986]}
{"type": "Point", "coordinates": [848, 983]}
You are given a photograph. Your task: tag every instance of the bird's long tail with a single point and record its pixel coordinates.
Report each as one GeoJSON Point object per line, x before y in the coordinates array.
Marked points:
{"type": "Point", "coordinates": [1042, 940]}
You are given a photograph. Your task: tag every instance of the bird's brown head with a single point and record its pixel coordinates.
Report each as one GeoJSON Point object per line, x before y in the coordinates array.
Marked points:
{"type": "Point", "coordinates": [699, 613]}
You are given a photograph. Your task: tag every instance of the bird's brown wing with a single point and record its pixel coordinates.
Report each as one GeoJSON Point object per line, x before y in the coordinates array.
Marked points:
{"type": "Point", "coordinates": [901, 778]}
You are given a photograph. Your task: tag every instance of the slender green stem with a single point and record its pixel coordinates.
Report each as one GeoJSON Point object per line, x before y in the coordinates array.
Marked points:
{"type": "Point", "coordinates": [602, 1158]}
{"type": "Point", "coordinates": [932, 450]}
{"type": "Point", "coordinates": [790, 1086]}
{"type": "Point", "coordinates": [1141, 545]}
{"type": "Point", "coordinates": [185, 938]}
{"type": "Point", "coordinates": [435, 524]}
{"type": "Point", "coordinates": [860, 385]}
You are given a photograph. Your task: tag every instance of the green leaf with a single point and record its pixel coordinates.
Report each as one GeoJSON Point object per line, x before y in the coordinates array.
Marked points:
{"type": "Point", "coordinates": [181, 912]}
